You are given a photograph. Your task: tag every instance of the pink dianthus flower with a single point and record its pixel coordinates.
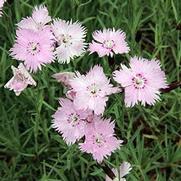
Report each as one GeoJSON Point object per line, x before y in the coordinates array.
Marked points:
{"type": "Point", "coordinates": [20, 80]}
{"type": "Point", "coordinates": [69, 121]}
{"type": "Point", "coordinates": [38, 21]}
{"type": "Point", "coordinates": [109, 42]}
{"type": "Point", "coordinates": [33, 48]}
{"type": "Point", "coordinates": [92, 90]}
{"type": "Point", "coordinates": [100, 140]}
{"type": "Point", "coordinates": [142, 81]}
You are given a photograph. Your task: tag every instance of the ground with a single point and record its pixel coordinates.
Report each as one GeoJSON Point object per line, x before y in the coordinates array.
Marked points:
{"type": "Point", "coordinates": [31, 150]}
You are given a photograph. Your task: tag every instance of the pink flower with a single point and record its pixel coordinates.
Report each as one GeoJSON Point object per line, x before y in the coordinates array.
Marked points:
{"type": "Point", "coordinates": [1, 6]}
{"type": "Point", "coordinates": [108, 42]}
{"type": "Point", "coordinates": [33, 48]}
{"type": "Point", "coordinates": [141, 81]}
{"type": "Point", "coordinates": [20, 80]}
{"type": "Point", "coordinates": [69, 121]}
{"type": "Point", "coordinates": [92, 90]}
{"type": "Point", "coordinates": [70, 39]}
{"type": "Point", "coordinates": [38, 21]}
{"type": "Point", "coordinates": [64, 78]}
{"type": "Point", "coordinates": [100, 140]}
{"type": "Point", "coordinates": [124, 169]}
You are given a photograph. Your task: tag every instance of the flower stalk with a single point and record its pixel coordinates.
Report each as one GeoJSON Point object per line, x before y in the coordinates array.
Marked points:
{"type": "Point", "coordinates": [108, 171]}
{"type": "Point", "coordinates": [172, 86]}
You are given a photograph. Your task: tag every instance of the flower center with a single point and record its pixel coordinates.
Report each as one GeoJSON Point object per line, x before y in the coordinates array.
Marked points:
{"type": "Point", "coordinates": [109, 44]}
{"type": "Point", "coordinates": [33, 48]}
{"type": "Point", "coordinates": [93, 89]}
{"type": "Point", "coordinates": [139, 81]}
{"type": "Point", "coordinates": [98, 139]}
{"type": "Point", "coordinates": [65, 39]}
{"type": "Point", "coordinates": [40, 25]}
{"type": "Point", "coordinates": [73, 119]}
{"type": "Point", "coordinates": [19, 76]}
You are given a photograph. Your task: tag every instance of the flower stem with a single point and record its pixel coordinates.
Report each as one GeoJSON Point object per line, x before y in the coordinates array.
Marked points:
{"type": "Point", "coordinates": [171, 87]}
{"type": "Point", "coordinates": [108, 171]}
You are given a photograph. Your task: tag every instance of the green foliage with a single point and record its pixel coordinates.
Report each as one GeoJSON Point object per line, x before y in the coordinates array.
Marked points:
{"type": "Point", "coordinates": [31, 150]}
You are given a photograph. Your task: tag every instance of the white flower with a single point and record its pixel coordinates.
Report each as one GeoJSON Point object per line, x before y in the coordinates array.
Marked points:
{"type": "Point", "coordinates": [70, 39]}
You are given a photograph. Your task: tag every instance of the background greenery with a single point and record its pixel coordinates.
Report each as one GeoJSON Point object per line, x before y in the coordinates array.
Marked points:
{"type": "Point", "coordinates": [31, 150]}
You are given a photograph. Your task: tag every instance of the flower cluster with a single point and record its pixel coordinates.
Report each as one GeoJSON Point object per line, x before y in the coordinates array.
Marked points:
{"type": "Point", "coordinates": [34, 41]}
{"type": "Point", "coordinates": [80, 113]}
{"type": "Point", "coordinates": [80, 116]}
{"type": "Point", "coordinates": [40, 40]}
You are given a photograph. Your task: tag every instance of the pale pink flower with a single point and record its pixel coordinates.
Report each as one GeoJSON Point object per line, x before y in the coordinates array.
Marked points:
{"type": "Point", "coordinates": [109, 42]}
{"type": "Point", "coordinates": [124, 170]}
{"type": "Point", "coordinates": [40, 15]}
{"type": "Point", "coordinates": [70, 39]}
{"type": "Point", "coordinates": [142, 81]}
{"type": "Point", "coordinates": [1, 6]}
{"type": "Point", "coordinates": [64, 78]}
{"type": "Point", "coordinates": [69, 121]}
{"type": "Point", "coordinates": [100, 140]}
{"type": "Point", "coordinates": [33, 48]}
{"type": "Point", "coordinates": [92, 90]}
{"type": "Point", "coordinates": [20, 80]}
{"type": "Point", "coordinates": [38, 21]}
